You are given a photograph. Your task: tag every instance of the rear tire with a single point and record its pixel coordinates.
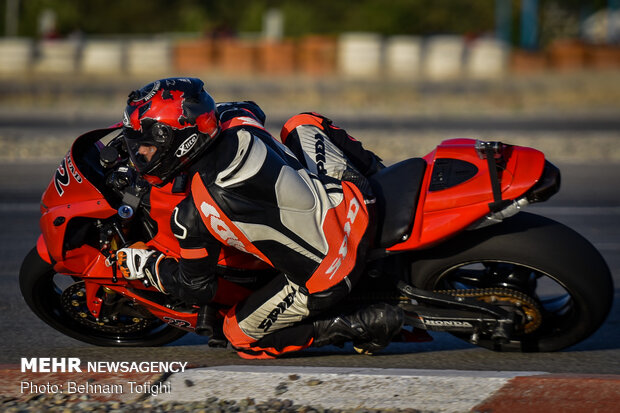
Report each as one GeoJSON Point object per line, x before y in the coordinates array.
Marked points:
{"type": "Point", "coordinates": [43, 296]}
{"type": "Point", "coordinates": [547, 260]}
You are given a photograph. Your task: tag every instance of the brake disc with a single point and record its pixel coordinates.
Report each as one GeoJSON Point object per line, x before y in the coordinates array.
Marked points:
{"type": "Point", "coordinates": [73, 302]}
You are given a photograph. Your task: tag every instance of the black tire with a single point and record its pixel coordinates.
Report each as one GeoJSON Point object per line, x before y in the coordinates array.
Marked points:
{"type": "Point", "coordinates": [37, 281]}
{"type": "Point", "coordinates": [544, 250]}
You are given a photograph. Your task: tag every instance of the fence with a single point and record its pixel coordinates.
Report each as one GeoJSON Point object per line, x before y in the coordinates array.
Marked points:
{"type": "Point", "coordinates": [354, 55]}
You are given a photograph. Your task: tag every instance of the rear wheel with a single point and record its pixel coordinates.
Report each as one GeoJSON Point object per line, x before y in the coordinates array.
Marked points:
{"type": "Point", "coordinates": [60, 301]}
{"type": "Point", "coordinates": [565, 277]}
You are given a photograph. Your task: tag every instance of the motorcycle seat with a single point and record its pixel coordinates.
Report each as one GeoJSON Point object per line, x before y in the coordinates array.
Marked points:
{"type": "Point", "coordinates": [397, 189]}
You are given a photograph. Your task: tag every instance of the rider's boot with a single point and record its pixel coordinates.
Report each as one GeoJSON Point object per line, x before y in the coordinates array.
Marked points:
{"type": "Point", "coordinates": [370, 328]}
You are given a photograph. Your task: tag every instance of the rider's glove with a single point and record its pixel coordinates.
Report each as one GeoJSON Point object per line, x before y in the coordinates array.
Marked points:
{"type": "Point", "coordinates": [137, 264]}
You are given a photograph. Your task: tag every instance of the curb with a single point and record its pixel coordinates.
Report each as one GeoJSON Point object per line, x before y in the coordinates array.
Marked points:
{"type": "Point", "coordinates": [556, 393]}
{"type": "Point", "coordinates": [339, 389]}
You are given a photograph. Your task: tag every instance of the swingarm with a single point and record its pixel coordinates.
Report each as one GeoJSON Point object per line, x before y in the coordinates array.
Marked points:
{"type": "Point", "coordinates": [443, 312]}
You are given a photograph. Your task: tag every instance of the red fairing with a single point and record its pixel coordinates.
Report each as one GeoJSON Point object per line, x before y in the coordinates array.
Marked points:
{"type": "Point", "coordinates": [42, 250]}
{"type": "Point", "coordinates": [442, 214]}
{"type": "Point", "coordinates": [70, 195]}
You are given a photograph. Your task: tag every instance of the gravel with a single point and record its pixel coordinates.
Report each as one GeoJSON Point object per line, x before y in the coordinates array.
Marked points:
{"type": "Point", "coordinates": [62, 403]}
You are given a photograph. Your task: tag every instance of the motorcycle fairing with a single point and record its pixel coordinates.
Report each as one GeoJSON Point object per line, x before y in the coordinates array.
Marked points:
{"type": "Point", "coordinates": [72, 192]}
{"type": "Point", "coordinates": [442, 213]}
{"type": "Point", "coordinates": [96, 271]}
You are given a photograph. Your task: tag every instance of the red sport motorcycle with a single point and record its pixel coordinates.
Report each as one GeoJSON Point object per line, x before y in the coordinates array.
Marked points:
{"type": "Point", "coordinates": [452, 249]}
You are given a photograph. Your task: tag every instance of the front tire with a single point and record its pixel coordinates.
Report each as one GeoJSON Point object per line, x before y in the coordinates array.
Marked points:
{"type": "Point", "coordinates": [535, 255]}
{"type": "Point", "coordinates": [43, 289]}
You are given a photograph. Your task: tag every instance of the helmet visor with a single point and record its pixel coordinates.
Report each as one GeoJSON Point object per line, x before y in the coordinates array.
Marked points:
{"type": "Point", "coordinates": [146, 154]}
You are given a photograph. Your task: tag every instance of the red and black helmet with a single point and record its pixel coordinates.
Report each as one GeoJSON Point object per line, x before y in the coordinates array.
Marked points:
{"type": "Point", "coordinates": [174, 115]}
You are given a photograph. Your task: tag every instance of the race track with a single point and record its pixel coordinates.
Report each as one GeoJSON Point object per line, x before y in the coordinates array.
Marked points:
{"type": "Point", "coordinates": [589, 202]}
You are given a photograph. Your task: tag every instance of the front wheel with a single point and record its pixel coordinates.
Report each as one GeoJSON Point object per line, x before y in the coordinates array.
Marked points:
{"type": "Point", "coordinates": [533, 255]}
{"type": "Point", "coordinates": [59, 300]}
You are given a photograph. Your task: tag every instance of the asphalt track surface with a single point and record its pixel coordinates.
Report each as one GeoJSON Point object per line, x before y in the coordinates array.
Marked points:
{"type": "Point", "coordinates": [589, 202]}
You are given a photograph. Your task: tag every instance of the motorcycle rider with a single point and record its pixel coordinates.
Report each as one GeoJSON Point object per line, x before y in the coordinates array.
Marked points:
{"type": "Point", "coordinates": [304, 208]}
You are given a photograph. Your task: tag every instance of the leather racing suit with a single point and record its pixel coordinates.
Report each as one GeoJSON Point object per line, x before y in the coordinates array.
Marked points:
{"type": "Point", "coordinates": [250, 191]}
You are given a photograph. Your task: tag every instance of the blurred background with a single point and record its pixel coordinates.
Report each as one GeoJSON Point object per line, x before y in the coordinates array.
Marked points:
{"type": "Point", "coordinates": [413, 68]}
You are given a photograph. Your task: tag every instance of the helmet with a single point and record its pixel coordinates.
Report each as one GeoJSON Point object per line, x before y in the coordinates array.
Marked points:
{"type": "Point", "coordinates": [174, 115]}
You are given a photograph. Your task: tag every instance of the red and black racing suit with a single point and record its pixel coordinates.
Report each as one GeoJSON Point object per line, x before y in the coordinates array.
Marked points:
{"type": "Point", "coordinates": [251, 192]}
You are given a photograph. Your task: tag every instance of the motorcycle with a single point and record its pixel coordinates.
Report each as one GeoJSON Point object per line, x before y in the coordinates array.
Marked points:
{"type": "Point", "coordinates": [452, 248]}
